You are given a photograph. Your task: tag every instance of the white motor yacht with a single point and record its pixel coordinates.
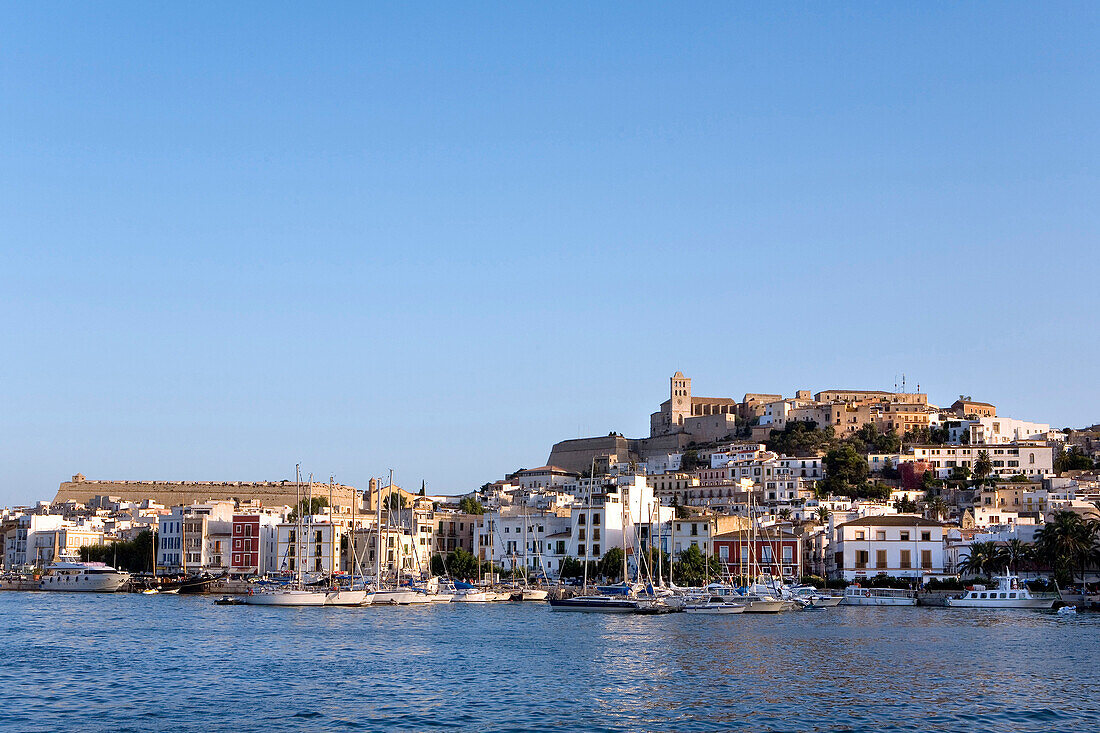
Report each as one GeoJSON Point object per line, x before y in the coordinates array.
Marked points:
{"type": "Point", "coordinates": [715, 605]}
{"type": "Point", "coordinates": [1009, 593]}
{"type": "Point", "coordinates": [83, 577]}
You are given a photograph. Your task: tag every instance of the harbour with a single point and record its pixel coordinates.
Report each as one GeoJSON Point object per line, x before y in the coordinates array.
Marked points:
{"type": "Point", "coordinates": [182, 663]}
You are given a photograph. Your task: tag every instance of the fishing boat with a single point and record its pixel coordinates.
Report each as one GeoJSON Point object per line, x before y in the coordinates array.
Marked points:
{"type": "Point", "coordinates": [854, 595]}
{"type": "Point", "coordinates": [1009, 593]}
{"type": "Point", "coordinates": [83, 577]}
{"type": "Point", "coordinates": [714, 605]}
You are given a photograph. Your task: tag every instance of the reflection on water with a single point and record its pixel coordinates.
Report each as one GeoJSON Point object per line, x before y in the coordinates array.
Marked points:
{"type": "Point", "coordinates": [137, 663]}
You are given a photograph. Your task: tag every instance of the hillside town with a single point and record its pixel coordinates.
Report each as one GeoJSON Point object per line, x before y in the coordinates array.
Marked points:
{"type": "Point", "coordinates": [841, 486]}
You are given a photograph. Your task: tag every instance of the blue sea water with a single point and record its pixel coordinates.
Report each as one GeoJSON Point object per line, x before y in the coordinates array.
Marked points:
{"type": "Point", "coordinates": [125, 662]}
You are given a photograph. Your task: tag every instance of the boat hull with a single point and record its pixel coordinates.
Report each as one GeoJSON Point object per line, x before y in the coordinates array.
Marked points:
{"type": "Point", "coordinates": [999, 603]}
{"type": "Point", "coordinates": [717, 610]}
{"type": "Point", "coordinates": [878, 601]}
{"type": "Point", "coordinates": [594, 606]}
{"type": "Point", "coordinates": [398, 597]}
{"type": "Point", "coordinates": [349, 598]}
{"type": "Point", "coordinates": [534, 594]}
{"type": "Point", "coordinates": [288, 598]}
{"type": "Point", "coordinates": [98, 583]}
{"type": "Point", "coordinates": [471, 597]}
{"type": "Point", "coordinates": [765, 606]}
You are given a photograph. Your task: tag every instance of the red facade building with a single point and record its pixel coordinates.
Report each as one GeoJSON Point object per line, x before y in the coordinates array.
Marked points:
{"type": "Point", "coordinates": [246, 543]}
{"type": "Point", "coordinates": [773, 552]}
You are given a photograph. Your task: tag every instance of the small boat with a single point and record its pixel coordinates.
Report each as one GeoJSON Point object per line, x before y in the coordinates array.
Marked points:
{"type": "Point", "coordinates": [171, 592]}
{"type": "Point", "coordinates": [1010, 593]}
{"type": "Point", "coordinates": [714, 605]}
{"type": "Point", "coordinates": [229, 601]}
{"type": "Point", "coordinates": [604, 604]}
{"type": "Point", "coordinates": [534, 594]}
{"type": "Point", "coordinates": [150, 592]}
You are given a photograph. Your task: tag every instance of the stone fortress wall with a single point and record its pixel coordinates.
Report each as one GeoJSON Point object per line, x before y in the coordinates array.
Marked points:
{"type": "Point", "coordinates": [174, 493]}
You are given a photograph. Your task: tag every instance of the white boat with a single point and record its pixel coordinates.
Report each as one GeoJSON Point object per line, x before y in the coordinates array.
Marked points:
{"type": "Point", "coordinates": [287, 597]}
{"type": "Point", "coordinates": [83, 577]}
{"type": "Point", "coordinates": [857, 596]}
{"type": "Point", "coordinates": [349, 597]}
{"type": "Point", "coordinates": [470, 595]}
{"type": "Point", "coordinates": [807, 596]}
{"type": "Point", "coordinates": [398, 597]}
{"type": "Point", "coordinates": [716, 605]}
{"type": "Point", "coordinates": [535, 594]}
{"type": "Point", "coordinates": [1009, 593]}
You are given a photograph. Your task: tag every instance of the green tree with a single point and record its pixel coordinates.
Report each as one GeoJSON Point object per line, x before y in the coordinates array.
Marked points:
{"type": "Point", "coordinates": [1068, 542]}
{"type": "Point", "coordinates": [905, 505]}
{"type": "Point", "coordinates": [785, 514]}
{"type": "Point", "coordinates": [1072, 460]}
{"type": "Point", "coordinates": [691, 461]}
{"type": "Point", "coordinates": [134, 556]}
{"type": "Point", "coordinates": [983, 467]}
{"type": "Point", "coordinates": [887, 442]}
{"type": "Point", "coordinates": [470, 505]}
{"type": "Point", "coordinates": [937, 508]}
{"type": "Point", "coordinates": [823, 514]}
{"type": "Point", "coordinates": [692, 567]}
{"type": "Point", "coordinates": [982, 559]}
{"type": "Point", "coordinates": [611, 564]}
{"type": "Point", "coordinates": [1015, 553]}
{"type": "Point", "coordinates": [309, 507]}
{"type": "Point", "coordinates": [845, 469]}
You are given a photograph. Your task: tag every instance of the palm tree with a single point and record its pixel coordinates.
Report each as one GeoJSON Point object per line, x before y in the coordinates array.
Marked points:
{"type": "Point", "coordinates": [982, 467]}
{"type": "Point", "coordinates": [982, 558]}
{"type": "Point", "coordinates": [1069, 541]}
{"type": "Point", "coordinates": [823, 514]}
{"type": "Point", "coordinates": [784, 514]}
{"type": "Point", "coordinates": [1014, 552]}
{"type": "Point", "coordinates": [937, 508]}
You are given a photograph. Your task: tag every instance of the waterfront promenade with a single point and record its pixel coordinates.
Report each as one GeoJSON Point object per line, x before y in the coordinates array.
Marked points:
{"type": "Point", "coordinates": [125, 662]}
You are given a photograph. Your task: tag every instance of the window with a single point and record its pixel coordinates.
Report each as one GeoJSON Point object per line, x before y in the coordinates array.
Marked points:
{"type": "Point", "coordinates": [925, 536]}
{"type": "Point", "coordinates": [694, 529]}
{"type": "Point", "coordinates": [744, 554]}
{"type": "Point", "coordinates": [595, 519]}
{"type": "Point", "coordinates": [861, 559]}
{"type": "Point", "coordinates": [880, 535]}
{"type": "Point", "coordinates": [580, 519]}
{"type": "Point", "coordinates": [596, 550]}
{"type": "Point", "coordinates": [926, 559]}
{"type": "Point", "coordinates": [580, 550]}
{"type": "Point", "coordinates": [859, 535]}
{"type": "Point", "coordinates": [788, 554]}
{"type": "Point", "coordinates": [724, 553]}
{"type": "Point", "coordinates": [880, 559]}
{"type": "Point", "coordinates": [906, 560]}
{"type": "Point", "coordinates": [904, 536]}
{"type": "Point", "coordinates": [596, 534]}
{"type": "Point", "coordinates": [581, 535]}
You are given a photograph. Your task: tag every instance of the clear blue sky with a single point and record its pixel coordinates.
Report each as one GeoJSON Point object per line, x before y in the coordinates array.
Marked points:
{"type": "Point", "coordinates": [439, 238]}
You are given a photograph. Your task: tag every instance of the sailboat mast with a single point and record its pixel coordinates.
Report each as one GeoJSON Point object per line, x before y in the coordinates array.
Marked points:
{"type": "Point", "coordinates": [298, 522]}
{"type": "Point", "coordinates": [377, 532]}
